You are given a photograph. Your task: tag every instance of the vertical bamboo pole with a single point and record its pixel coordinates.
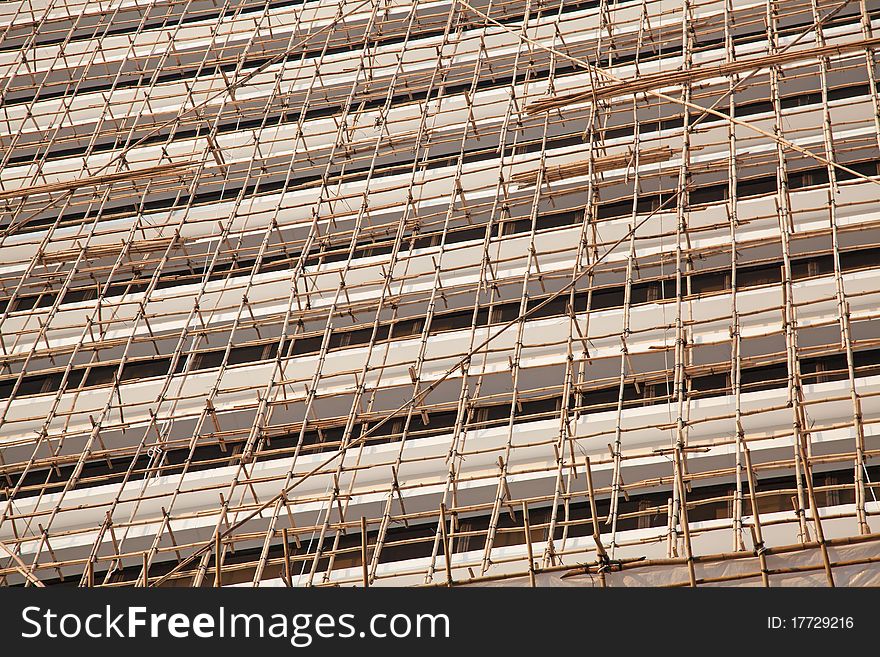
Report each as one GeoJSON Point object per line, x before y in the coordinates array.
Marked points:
{"type": "Point", "coordinates": [527, 531]}
{"type": "Point", "coordinates": [218, 559]}
{"type": "Point", "coordinates": [736, 338]}
{"type": "Point", "coordinates": [685, 525]}
{"type": "Point", "coordinates": [365, 568]}
{"type": "Point", "coordinates": [756, 515]}
{"type": "Point", "coordinates": [597, 538]}
{"type": "Point", "coordinates": [288, 572]}
{"type": "Point", "coordinates": [817, 520]}
{"type": "Point", "coordinates": [447, 558]}
{"type": "Point", "coordinates": [843, 311]}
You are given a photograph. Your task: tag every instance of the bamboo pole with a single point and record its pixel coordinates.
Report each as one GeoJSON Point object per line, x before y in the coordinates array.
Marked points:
{"type": "Point", "coordinates": [447, 557]}
{"type": "Point", "coordinates": [527, 533]}
{"type": "Point", "coordinates": [218, 562]}
{"type": "Point", "coordinates": [364, 565]}
{"type": "Point", "coordinates": [288, 572]}
{"type": "Point", "coordinates": [490, 255]}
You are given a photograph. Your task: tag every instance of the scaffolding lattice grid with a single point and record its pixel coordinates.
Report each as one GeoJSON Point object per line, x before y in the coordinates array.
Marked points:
{"type": "Point", "coordinates": [390, 292]}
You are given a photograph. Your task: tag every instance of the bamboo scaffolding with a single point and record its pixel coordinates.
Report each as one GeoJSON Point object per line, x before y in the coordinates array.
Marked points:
{"type": "Point", "coordinates": [330, 296]}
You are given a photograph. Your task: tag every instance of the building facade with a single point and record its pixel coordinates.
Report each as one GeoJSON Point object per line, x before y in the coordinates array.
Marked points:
{"type": "Point", "coordinates": [390, 292]}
